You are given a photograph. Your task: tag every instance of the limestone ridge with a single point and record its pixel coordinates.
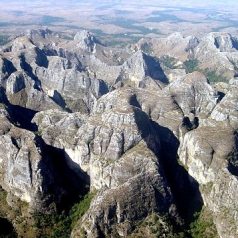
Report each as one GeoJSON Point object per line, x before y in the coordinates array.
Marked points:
{"type": "Point", "coordinates": [140, 67]}
{"type": "Point", "coordinates": [136, 126]}
{"type": "Point", "coordinates": [41, 33]}
{"type": "Point", "coordinates": [86, 40]}
{"type": "Point", "coordinates": [215, 51]}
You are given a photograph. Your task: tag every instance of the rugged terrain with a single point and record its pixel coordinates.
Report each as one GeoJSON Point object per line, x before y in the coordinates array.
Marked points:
{"type": "Point", "coordinates": [146, 134]}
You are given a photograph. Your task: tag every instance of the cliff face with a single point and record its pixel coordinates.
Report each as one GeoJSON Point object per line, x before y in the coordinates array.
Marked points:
{"type": "Point", "coordinates": [77, 116]}
{"type": "Point", "coordinates": [210, 152]}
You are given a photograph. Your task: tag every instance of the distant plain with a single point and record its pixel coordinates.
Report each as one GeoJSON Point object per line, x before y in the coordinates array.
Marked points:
{"type": "Point", "coordinates": [119, 21]}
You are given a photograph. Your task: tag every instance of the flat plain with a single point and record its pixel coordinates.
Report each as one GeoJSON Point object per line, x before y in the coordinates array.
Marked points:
{"type": "Point", "coordinates": [119, 22]}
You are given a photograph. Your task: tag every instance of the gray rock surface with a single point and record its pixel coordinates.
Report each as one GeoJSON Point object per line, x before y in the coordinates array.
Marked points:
{"type": "Point", "coordinates": [209, 154]}
{"type": "Point", "coordinates": [122, 206]}
{"type": "Point", "coordinates": [85, 40]}
{"type": "Point", "coordinates": [74, 112]}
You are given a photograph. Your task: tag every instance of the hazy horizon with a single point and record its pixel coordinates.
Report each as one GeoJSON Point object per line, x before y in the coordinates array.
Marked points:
{"type": "Point", "coordinates": [120, 19]}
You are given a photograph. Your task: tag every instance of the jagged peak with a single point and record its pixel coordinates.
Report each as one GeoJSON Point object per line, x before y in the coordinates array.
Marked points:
{"type": "Point", "coordinates": [138, 56]}
{"type": "Point", "coordinates": [44, 33]}
{"type": "Point", "coordinates": [86, 40]}
{"type": "Point", "coordinates": [83, 35]}
{"type": "Point", "coordinates": [223, 41]}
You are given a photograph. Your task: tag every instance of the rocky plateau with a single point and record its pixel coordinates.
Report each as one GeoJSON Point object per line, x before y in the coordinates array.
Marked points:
{"type": "Point", "coordinates": [149, 130]}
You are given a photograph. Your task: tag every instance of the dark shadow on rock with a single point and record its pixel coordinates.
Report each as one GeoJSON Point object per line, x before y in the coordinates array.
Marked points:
{"type": "Point", "coordinates": [185, 189]}
{"type": "Point", "coordinates": [62, 184]}
{"type": "Point", "coordinates": [154, 69]}
{"type": "Point", "coordinates": [59, 100]}
{"type": "Point", "coordinates": [49, 52]}
{"type": "Point", "coordinates": [187, 123]}
{"type": "Point", "coordinates": [233, 158]}
{"type": "Point", "coordinates": [8, 68]}
{"type": "Point", "coordinates": [146, 129]}
{"type": "Point", "coordinates": [195, 123]}
{"type": "Point", "coordinates": [216, 43]}
{"type": "Point", "coordinates": [190, 125]}
{"type": "Point", "coordinates": [19, 116]}
{"type": "Point", "coordinates": [41, 58]}
{"type": "Point", "coordinates": [221, 95]}
{"type": "Point", "coordinates": [234, 43]}
{"type": "Point", "coordinates": [233, 168]}
{"type": "Point", "coordinates": [134, 102]}
{"type": "Point", "coordinates": [103, 88]}
{"type": "Point", "coordinates": [6, 229]}
{"type": "Point", "coordinates": [29, 71]}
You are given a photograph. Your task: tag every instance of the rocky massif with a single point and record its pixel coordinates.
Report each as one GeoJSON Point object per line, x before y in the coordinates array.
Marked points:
{"type": "Point", "coordinates": [149, 130]}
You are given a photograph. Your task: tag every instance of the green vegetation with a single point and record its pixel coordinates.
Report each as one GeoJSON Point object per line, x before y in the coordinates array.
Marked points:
{"type": "Point", "coordinates": [6, 214]}
{"type": "Point", "coordinates": [146, 48]}
{"type": "Point", "coordinates": [40, 224]}
{"type": "Point", "coordinates": [155, 226]}
{"type": "Point", "coordinates": [3, 39]}
{"type": "Point", "coordinates": [46, 19]}
{"type": "Point", "coordinates": [56, 226]}
{"type": "Point", "coordinates": [213, 77]}
{"type": "Point", "coordinates": [152, 227]}
{"type": "Point", "coordinates": [3, 202]}
{"type": "Point", "coordinates": [38, 133]}
{"type": "Point", "coordinates": [128, 24]}
{"type": "Point", "coordinates": [169, 62]}
{"type": "Point", "coordinates": [191, 65]}
{"type": "Point", "coordinates": [2, 106]}
{"type": "Point", "coordinates": [207, 188]}
{"type": "Point", "coordinates": [203, 226]}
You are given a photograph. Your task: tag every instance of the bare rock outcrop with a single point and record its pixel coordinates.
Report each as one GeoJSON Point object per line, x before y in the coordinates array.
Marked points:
{"type": "Point", "coordinates": [131, 125]}
{"type": "Point", "coordinates": [209, 154]}
{"type": "Point", "coordinates": [122, 206]}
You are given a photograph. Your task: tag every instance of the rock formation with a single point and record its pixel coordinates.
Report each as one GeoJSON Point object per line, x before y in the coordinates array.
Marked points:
{"type": "Point", "coordinates": [135, 126]}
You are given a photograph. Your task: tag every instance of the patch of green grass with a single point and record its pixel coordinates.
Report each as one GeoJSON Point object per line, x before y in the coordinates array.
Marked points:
{"type": "Point", "coordinates": [191, 65]}
{"type": "Point", "coordinates": [46, 19]}
{"type": "Point", "coordinates": [168, 62]}
{"type": "Point", "coordinates": [4, 39]}
{"type": "Point", "coordinates": [38, 133]}
{"type": "Point", "coordinates": [213, 77]}
{"type": "Point", "coordinates": [155, 226]}
{"type": "Point", "coordinates": [2, 106]}
{"type": "Point", "coordinates": [152, 227]}
{"type": "Point", "coordinates": [79, 209]}
{"type": "Point", "coordinates": [40, 224]}
{"type": "Point", "coordinates": [207, 188]}
{"type": "Point", "coordinates": [146, 48]}
{"type": "Point", "coordinates": [5, 217]}
{"type": "Point", "coordinates": [3, 202]}
{"type": "Point", "coordinates": [203, 226]}
{"type": "Point", "coordinates": [57, 226]}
